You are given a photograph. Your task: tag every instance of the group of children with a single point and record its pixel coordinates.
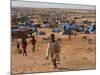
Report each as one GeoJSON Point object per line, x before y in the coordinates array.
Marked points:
{"type": "Point", "coordinates": [53, 49]}
{"type": "Point", "coordinates": [24, 45]}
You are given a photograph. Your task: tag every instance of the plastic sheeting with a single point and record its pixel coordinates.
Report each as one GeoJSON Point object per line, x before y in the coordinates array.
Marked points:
{"type": "Point", "coordinates": [56, 30]}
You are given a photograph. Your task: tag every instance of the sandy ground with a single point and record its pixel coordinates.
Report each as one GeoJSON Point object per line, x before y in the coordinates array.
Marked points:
{"type": "Point", "coordinates": [74, 55]}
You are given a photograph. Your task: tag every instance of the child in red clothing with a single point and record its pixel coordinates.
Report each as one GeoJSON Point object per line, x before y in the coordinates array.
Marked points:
{"type": "Point", "coordinates": [33, 43]}
{"type": "Point", "coordinates": [24, 46]}
{"type": "Point", "coordinates": [18, 46]}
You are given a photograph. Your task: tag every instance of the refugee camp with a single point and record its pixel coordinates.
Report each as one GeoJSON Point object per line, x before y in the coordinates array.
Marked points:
{"type": "Point", "coordinates": [52, 39]}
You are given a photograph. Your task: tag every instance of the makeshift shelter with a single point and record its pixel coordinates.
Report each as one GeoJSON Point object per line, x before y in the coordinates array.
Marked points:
{"type": "Point", "coordinates": [66, 32]}
{"type": "Point", "coordinates": [56, 30]}
{"type": "Point", "coordinates": [71, 27]}
{"type": "Point", "coordinates": [91, 29]}
{"type": "Point", "coordinates": [65, 24]}
{"type": "Point", "coordinates": [45, 24]}
{"type": "Point", "coordinates": [78, 24]}
{"type": "Point", "coordinates": [42, 33]}
{"type": "Point", "coordinates": [81, 29]}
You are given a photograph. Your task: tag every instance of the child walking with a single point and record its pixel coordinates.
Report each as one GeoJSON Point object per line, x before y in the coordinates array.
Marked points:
{"type": "Point", "coordinates": [53, 50]}
{"type": "Point", "coordinates": [24, 46]}
{"type": "Point", "coordinates": [33, 43]}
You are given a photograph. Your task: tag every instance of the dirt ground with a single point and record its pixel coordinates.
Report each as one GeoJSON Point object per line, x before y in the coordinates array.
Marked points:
{"type": "Point", "coordinates": [74, 55]}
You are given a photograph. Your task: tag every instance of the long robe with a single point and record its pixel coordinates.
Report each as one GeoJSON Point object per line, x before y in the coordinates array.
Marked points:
{"type": "Point", "coordinates": [53, 50]}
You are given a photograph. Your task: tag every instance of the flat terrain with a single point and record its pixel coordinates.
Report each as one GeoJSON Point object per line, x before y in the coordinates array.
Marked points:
{"type": "Point", "coordinates": [74, 55]}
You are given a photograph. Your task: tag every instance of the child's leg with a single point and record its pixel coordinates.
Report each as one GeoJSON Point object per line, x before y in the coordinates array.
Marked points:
{"type": "Point", "coordinates": [18, 49]}
{"type": "Point", "coordinates": [33, 49]}
{"type": "Point", "coordinates": [25, 52]}
{"type": "Point", "coordinates": [54, 63]}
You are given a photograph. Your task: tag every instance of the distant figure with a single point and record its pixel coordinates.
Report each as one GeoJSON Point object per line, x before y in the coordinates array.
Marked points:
{"type": "Point", "coordinates": [69, 34]}
{"type": "Point", "coordinates": [24, 46]}
{"type": "Point", "coordinates": [86, 39]}
{"type": "Point", "coordinates": [86, 32]}
{"type": "Point", "coordinates": [94, 28]}
{"type": "Point", "coordinates": [53, 50]}
{"type": "Point", "coordinates": [75, 33]}
{"type": "Point", "coordinates": [18, 46]}
{"type": "Point", "coordinates": [33, 43]}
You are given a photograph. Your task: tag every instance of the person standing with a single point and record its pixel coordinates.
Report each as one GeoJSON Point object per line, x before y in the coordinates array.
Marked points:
{"type": "Point", "coordinates": [18, 46]}
{"type": "Point", "coordinates": [33, 43]}
{"type": "Point", "coordinates": [53, 50]}
{"type": "Point", "coordinates": [24, 46]}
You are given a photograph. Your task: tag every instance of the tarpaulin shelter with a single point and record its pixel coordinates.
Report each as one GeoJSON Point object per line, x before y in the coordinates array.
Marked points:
{"type": "Point", "coordinates": [56, 30]}
{"type": "Point", "coordinates": [67, 32]}
{"type": "Point", "coordinates": [66, 24]}
{"type": "Point", "coordinates": [42, 33]}
{"type": "Point", "coordinates": [91, 29]}
{"type": "Point", "coordinates": [71, 27]}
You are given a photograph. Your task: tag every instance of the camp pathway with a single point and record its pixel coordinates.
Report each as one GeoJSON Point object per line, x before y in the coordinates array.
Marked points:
{"type": "Point", "coordinates": [74, 56]}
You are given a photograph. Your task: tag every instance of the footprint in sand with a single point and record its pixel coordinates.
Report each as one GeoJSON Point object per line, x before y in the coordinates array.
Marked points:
{"type": "Point", "coordinates": [34, 62]}
{"type": "Point", "coordinates": [77, 67]}
{"type": "Point", "coordinates": [26, 69]}
{"type": "Point", "coordinates": [30, 69]}
{"type": "Point", "coordinates": [64, 58]}
{"type": "Point", "coordinates": [16, 70]}
{"type": "Point", "coordinates": [13, 68]}
{"type": "Point", "coordinates": [85, 58]}
{"type": "Point", "coordinates": [44, 64]}
{"type": "Point", "coordinates": [90, 49]}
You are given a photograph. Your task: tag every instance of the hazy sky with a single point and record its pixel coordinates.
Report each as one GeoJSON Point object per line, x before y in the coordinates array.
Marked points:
{"type": "Point", "coordinates": [50, 5]}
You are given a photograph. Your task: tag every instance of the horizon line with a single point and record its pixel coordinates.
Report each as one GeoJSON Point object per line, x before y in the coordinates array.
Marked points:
{"type": "Point", "coordinates": [38, 4]}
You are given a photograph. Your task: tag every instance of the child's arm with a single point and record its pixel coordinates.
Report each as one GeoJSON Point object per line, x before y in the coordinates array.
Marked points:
{"type": "Point", "coordinates": [47, 52]}
{"type": "Point", "coordinates": [59, 47]}
{"type": "Point", "coordinates": [30, 41]}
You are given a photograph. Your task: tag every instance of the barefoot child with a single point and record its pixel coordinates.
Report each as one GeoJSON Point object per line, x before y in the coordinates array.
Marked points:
{"type": "Point", "coordinates": [33, 43]}
{"type": "Point", "coordinates": [24, 46]}
{"type": "Point", "coordinates": [18, 46]}
{"type": "Point", "coordinates": [53, 50]}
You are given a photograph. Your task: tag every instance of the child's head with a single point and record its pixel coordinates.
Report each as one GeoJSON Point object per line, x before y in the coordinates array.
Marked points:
{"type": "Point", "coordinates": [52, 36]}
{"type": "Point", "coordinates": [33, 37]}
